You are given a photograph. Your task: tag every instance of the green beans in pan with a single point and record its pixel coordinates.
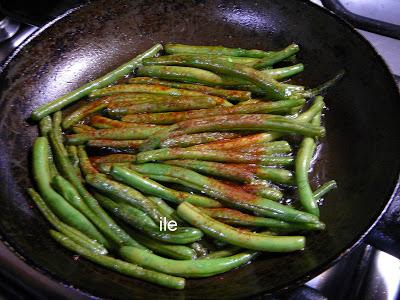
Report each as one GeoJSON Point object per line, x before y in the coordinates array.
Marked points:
{"type": "Point", "coordinates": [140, 221]}
{"type": "Point", "coordinates": [236, 172]}
{"type": "Point", "coordinates": [120, 266]}
{"type": "Point", "coordinates": [108, 227]}
{"type": "Point", "coordinates": [123, 194]}
{"type": "Point", "coordinates": [271, 87]}
{"type": "Point", "coordinates": [278, 124]}
{"type": "Point", "coordinates": [234, 95]}
{"type": "Point", "coordinates": [86, 89]}
{"type": "Point", "coordinates": [228, 194]}
{"type": "Point", "coordinates": [237, 218]}
{"type": "Point", "coordinates": [174, 117]}
{"type": "Point", "coordinates": [148, 186]}
{"type": "Point", "coordinates": [187, 268]}
{"type": "Point", "coordinates": [214, 155]}
{"type": "Point", "coordinates": [55, 201]}
{"type": "Point", "coordinates": [231, 235]}
{"type": "Point", "coordinates": [175, 104]}
{"type": "Point", "coordinates": [75, 235]}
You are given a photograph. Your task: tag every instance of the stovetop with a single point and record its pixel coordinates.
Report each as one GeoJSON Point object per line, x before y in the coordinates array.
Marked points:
{"type": "Point", "coordinates": [366, 273]}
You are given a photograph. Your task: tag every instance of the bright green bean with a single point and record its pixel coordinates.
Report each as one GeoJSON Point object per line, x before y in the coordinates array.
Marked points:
{"type": "Point", "coordinates": [187, 268]}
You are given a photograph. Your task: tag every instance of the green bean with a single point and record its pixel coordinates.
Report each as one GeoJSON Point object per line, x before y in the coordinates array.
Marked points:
{"type": "Point", "coordinates": [140, 221]}
{"type": "Point", "coordinates": [101, 103]}
{"type": "Point", "coordinates": [145, 88]}
{"type": "Point", "coordinates": [275, 57]}
{"type": "Point", "coordinates": [231, 235]}
{"type": "Point", "coordinates": [260, 148]}
{"type": "Point", "coordinates": [270, 86]}
{"type": "Point", "coordinates": [324, 189]}
{"type": "Point", "coordinates": [75, 235]}
{"type": "Point", "coordinates": [235, 122]}
{"type": "Point", "coordinates": [55, 201]}
{"type": "Point", "coordinates": [197, 138]}
{"type": "Point", "coordinates": [115, 144]}
{"type": "Point", "coordinates": [248, 61]}
{"type": "Point", "coordinates": [285, 72]}
{"type": "Point", "coordinates": [119, 265]}
{"type": "Point", "coordinates": [174, 117]}
{"type": "Point", "coordinates": [113, 158]}
{"type": "Point", "coordinates": [101, 122]}
{"type": "Point", "coordinates": [79, 128]}
{"type": "Point", "coordinates": [199, 248]}
{"type": "Point", "coordinates": [214, 50]}
{"type": "Point", "coordinates": [185, 74]}
{"type": "Point", "coordinates": [228, 94]}
{"type": "Point", "coordinates": [186, 268]}
{"type": "Point", "coordinates": [228, 194]}
{"type": "Point", "coordinates": [112, 231]}
{"type": "Point", "coordinates": [148, 186]}
{"type": "Point", "coordinates": [237, 218]}
{"type": "Point", "coordinates": [212, 155]}
{"type": "Point", "coordinates": [302, 165]}
{"type": "Point", "coordinates": [174, 104]}
{"type": "Point", "coordinates": [236, 172]}
{"type": "Point", "coordinates": [113, 133]}
{"type": "Point", "coordinates": [173, 251]}
{"type": "Point", "coordinates": [125, 194]}
{"type": "Point", "coordinates": [86, 89]}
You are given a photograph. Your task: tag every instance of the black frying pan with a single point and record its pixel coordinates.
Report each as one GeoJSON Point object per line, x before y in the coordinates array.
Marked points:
{"type": "Point", "coordinates": [360, 150]}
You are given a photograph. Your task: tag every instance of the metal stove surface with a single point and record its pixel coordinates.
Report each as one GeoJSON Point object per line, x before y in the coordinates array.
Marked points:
{"type": "Point", "coordinates": [366, 273]}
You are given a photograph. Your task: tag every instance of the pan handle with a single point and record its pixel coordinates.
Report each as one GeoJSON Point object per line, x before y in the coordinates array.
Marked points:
{"type": "Point", "coordinates": [385, 236]}
{"type": "Point", "coordinates": [368, 24]}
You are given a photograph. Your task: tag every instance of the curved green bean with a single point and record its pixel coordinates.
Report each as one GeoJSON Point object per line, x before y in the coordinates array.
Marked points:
{"type": "Point", "coordinates": [187, 268]}
{"type": "Point", "coordinates": [231, 235]}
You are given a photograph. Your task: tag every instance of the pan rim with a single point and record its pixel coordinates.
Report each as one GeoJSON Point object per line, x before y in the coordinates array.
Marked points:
{"type": "Point", "coordinates": [295, 282]}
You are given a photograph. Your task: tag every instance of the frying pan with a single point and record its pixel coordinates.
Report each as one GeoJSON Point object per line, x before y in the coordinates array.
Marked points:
{"type": "Point", "coordinates": [360, 150]}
